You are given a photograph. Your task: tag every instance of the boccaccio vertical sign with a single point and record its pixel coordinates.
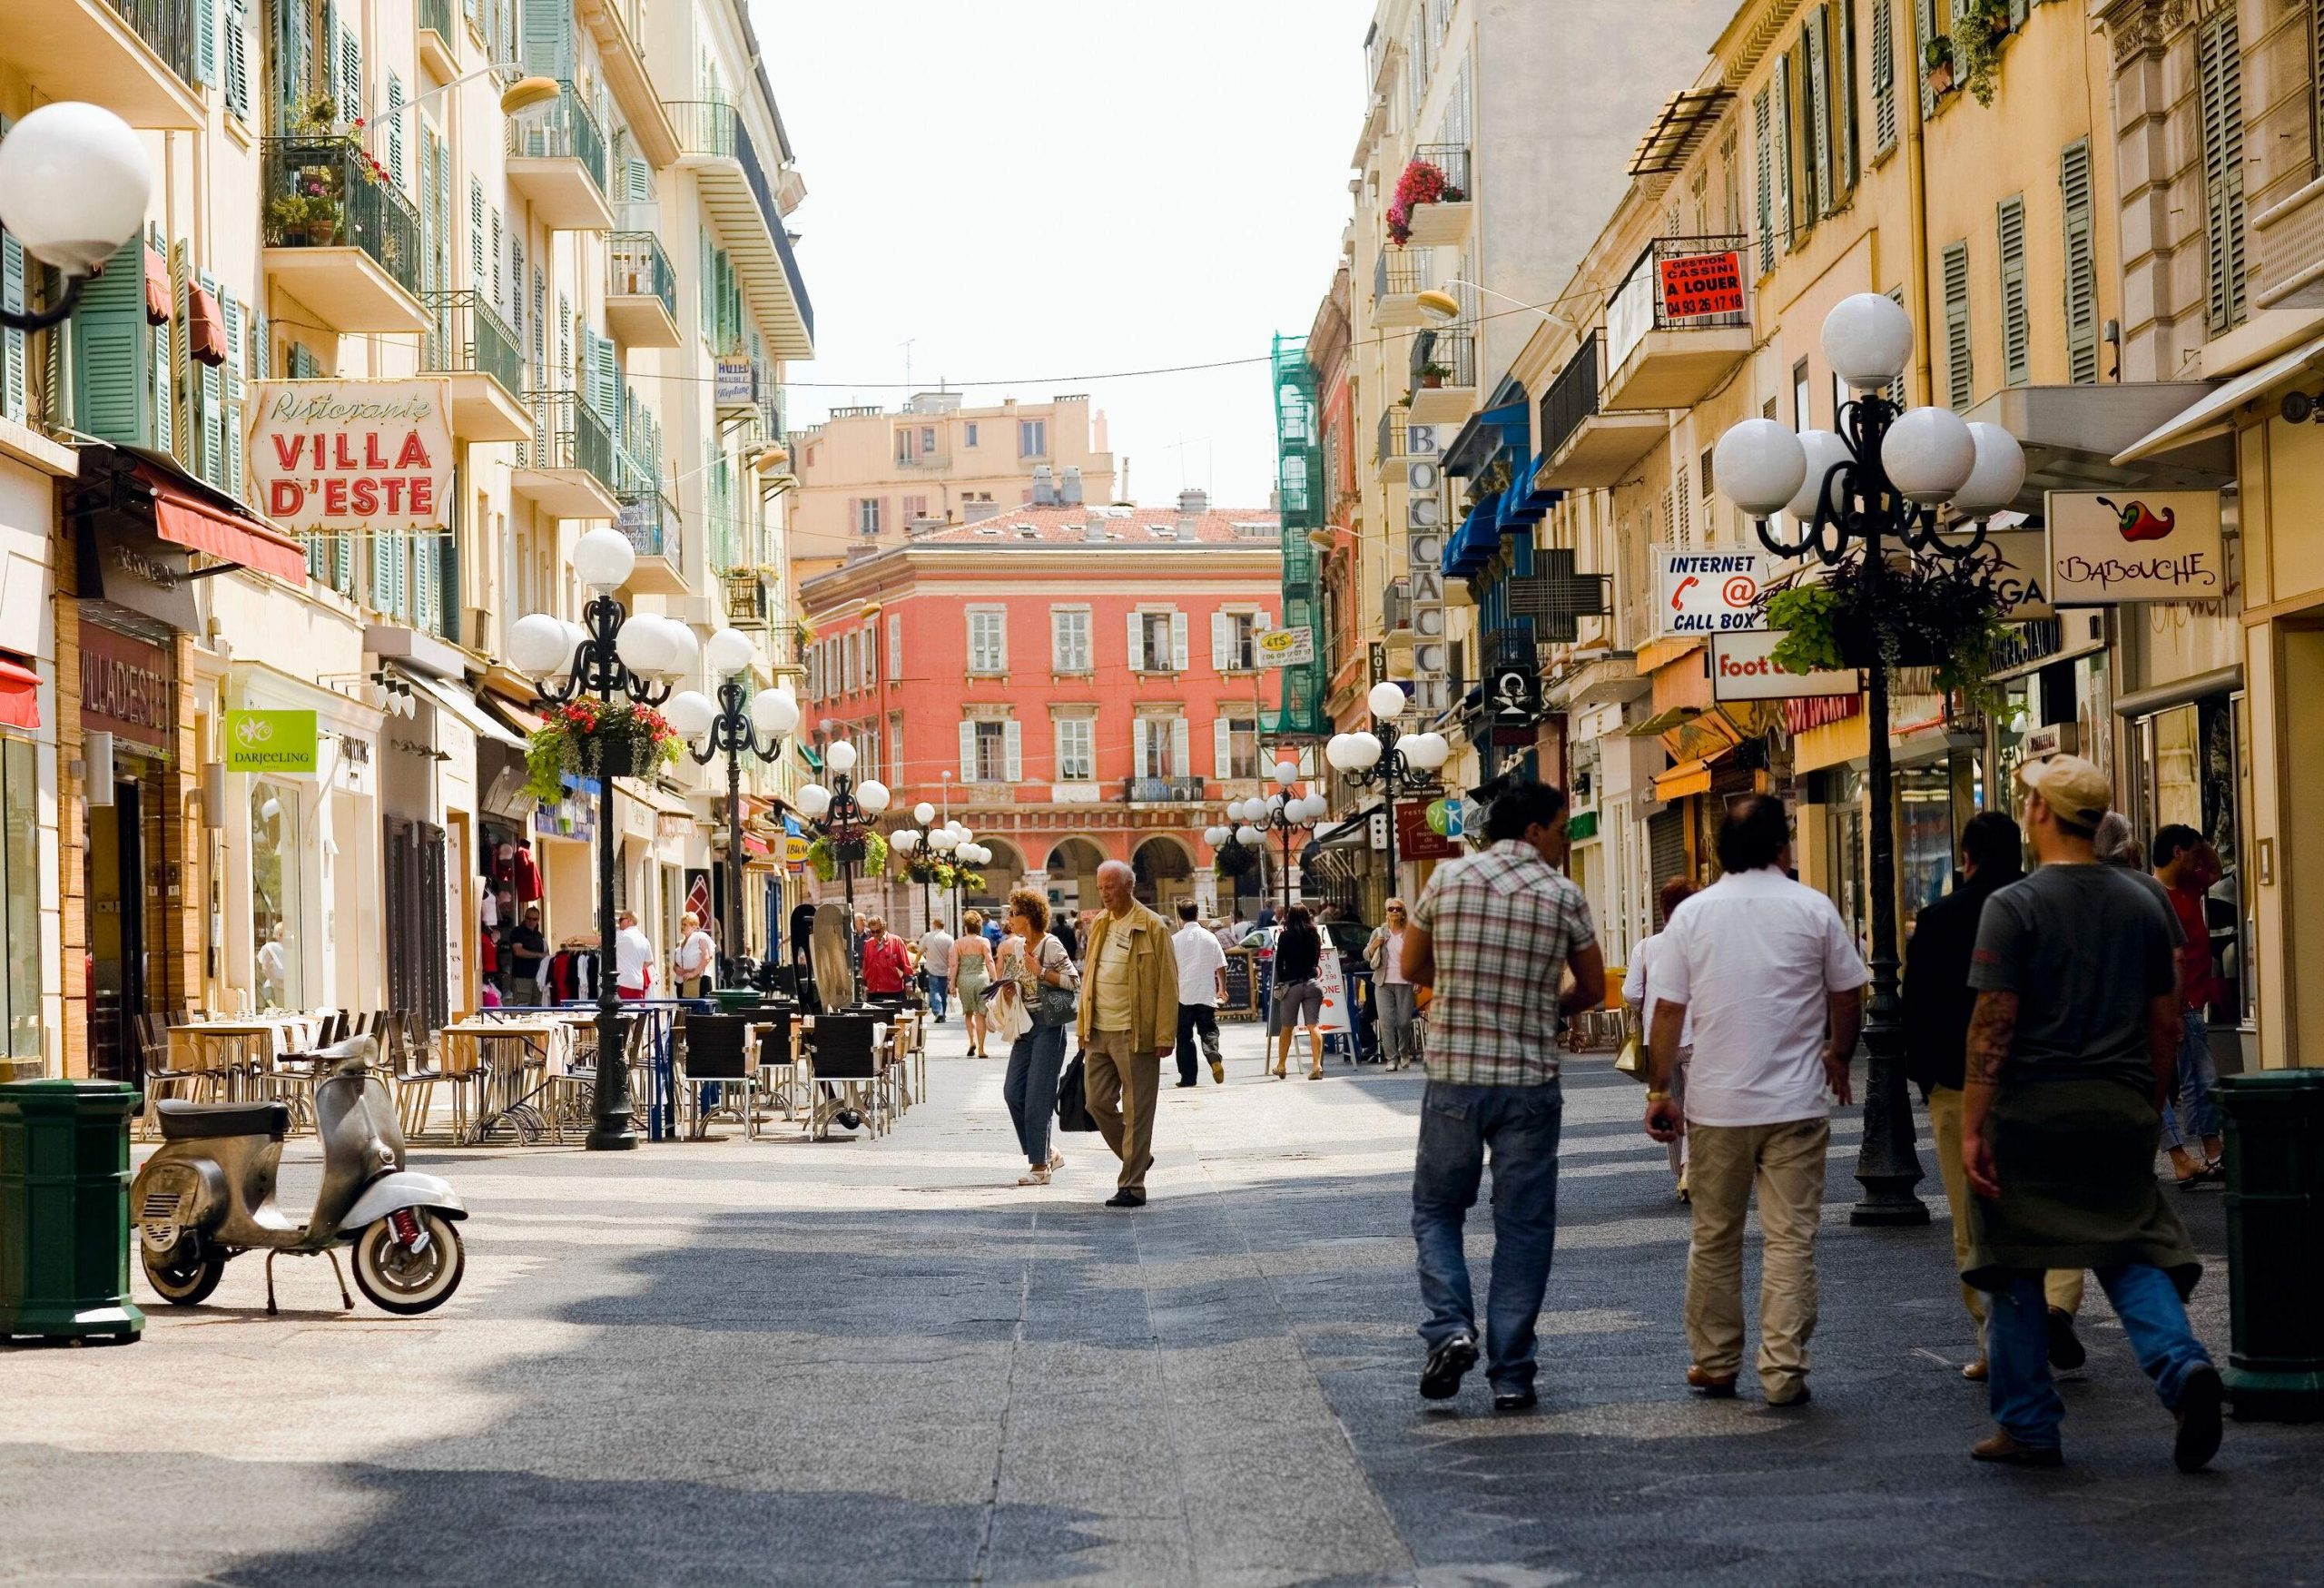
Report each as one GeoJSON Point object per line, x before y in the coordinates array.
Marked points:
{"type": "Point", "coordinates": [353, 455]}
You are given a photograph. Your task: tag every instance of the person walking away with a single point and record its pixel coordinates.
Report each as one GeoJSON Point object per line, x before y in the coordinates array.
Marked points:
{"type": "Point", "coordinates": [1062, 930]}
{"type": "Point", "coordinates": [936, 962]}
{"type": "Point", "coordinates": [1299, 998]}
{"type": "Point", "coordinates": [1492, 934]}
{"type": "Point", "coordinates": [1641, 991]}
{"type": "Point", "coordinates": [1128, 1020]}
{"type": "Point", "coordinates": [971, 974]}
{"type": "Point", "coordinates": [632, 958]}
{"type": "Point", "coordinates": [1202, 987]}
{"type": "Point", "coordinates": [887, 964]}
{"type": "Point", "coordinates": [1392, 991]}
{"type": "Point", "coordinates": [1032, 957]}
{"type": "Point", "coordinates": [2073, 1044]}
{"type": "Point", "coordinates": [528, 953]}
{"type": "Point", "coordinates": [2187, 866]}
{"type": "Point", "coordinates": [690, 967]}
{"type": "Point", "coordinates": [1762, 967]}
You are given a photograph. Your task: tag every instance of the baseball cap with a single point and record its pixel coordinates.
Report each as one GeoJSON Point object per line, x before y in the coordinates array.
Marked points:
{"type": "Point", "coordinates": [2074, 789]}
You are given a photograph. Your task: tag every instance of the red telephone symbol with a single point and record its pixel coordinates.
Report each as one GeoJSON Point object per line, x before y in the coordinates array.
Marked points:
{"type": "Point", "coordinates": [1678, 596]}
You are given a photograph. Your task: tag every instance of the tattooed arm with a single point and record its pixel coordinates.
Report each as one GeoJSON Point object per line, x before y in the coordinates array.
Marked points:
{"type": "Point", "coordinates": [1991, 1028]}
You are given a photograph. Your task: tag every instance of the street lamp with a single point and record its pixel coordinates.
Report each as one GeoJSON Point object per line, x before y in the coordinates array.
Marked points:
{"type": "Point", "coordinates": [1395, 761]}
{"type": "Point", "coordinates": [736, 725]}
{"type": "Point", "coordinates": [1884, 474]}
{"type": "Point", "coordinates": [74, 182]}
{"type": "Point", "coordinates": [843, 813]}
{"type": "Point", "coordinates": [611, 656]}
{"type": "Point", "coordinates": [1281, 812]}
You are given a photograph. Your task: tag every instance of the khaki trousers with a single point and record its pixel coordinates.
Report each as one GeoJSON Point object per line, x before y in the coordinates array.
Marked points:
{"type": "Point", "coordinates": [1786, 1163]}
{"type": "Point", "coordinates": [2060, 1286]}
{"type": "Point", "coordinates": [1119, 1083]}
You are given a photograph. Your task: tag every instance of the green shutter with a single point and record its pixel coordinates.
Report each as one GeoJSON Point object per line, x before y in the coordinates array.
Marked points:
{"type": "Point", "coordinates": [231, 380]}
{"type": "Point", "coordinates": [549, 39]}
{"type": "Point", "coordinates": [1787, 211]}
{"type": "Point", "coordinates": [237, 60]}
{"type": "Point", "coordinates": [287, 60]}
{"type": "Point", "coordinates": [2082, 264]}
{"type": "Point", "coordinates": [207, 382]}
{"type": "Point", "coordinates": [1762, 149]}
{"type": "Point", "coordinates": [395, 129]}
{"type": "Point", "coordinates": [1960, 379]}
{"type": "Point", "coordinates": [2016, 332]}
{"type": "Point", "coordinates": [383, 573]}
{"type": "Point", "coordinates": [1845, 155]}
{"type": "Point", "coordinates": [2017, 9]}
{"type": "Point", "coordinates": [1924, 28]}
{"type": "Point", "coordinates": [205, 41]}
{"type": "Point", "coordinates": [2219, 74]}
{"type": "Point", "coordinates": [1898, 393]}
{"type": "Point", "coordinates": [12, 398]}
{"type": "Point", "coordinates": [1817, 73]}
{"type": "Point", "coordinates": [1884, 77]}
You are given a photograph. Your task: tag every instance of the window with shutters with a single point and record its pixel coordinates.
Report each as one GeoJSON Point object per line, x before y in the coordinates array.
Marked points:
{"type": "Point", "coordinates": [1884, 77]}
{"type": "Point", "coordinates": [1685, 505]}
{"type": "Point", "coordinates": [1960, 377]}
{"type": "Point", "coordinates": [2082, 264]}
{"type": "Point", "coordinates": [238, 59]}
{"type": "Point", "coordinates": [2219, 78]}
{"type": "Point", "coordinates": [1925, 26]}
{"type": "Point", "coordinates": [1157, 641]}
{"type": "Point", "coordinates": [1845, 157]}
{"type": "Point", "coordinates": [1795, 162]}
{"type": "Point", "coordinates": [992, 752]}
{"type": "Point", "coordinates": [1077, 749]}
{"type": "Point", "coordinates": [1236, 745]}
{"type": "Point", "coordinates": [1816, 145]}
{"type": "Point", "coordinates": [1241, 638]}
{"type": "Point", "coordinates": [395, 129]}
{"type": "Point", "coordinates": [987, 639]}
{"type": "Point", "coordinates": [1069, 639]}
{"type": "Point", "coordinates": [2016, 331]}
{"type": "Point", "coordinates": [1896, 389]}
{"type": "Point", "coordinates": [475, 232]}
{"type": "Point", "coordinates": [1763, 153]}
{"type": "Point", "coordinates": [867, 515]}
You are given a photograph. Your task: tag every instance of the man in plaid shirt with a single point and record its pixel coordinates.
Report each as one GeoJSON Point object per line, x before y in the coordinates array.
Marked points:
{"type": "Point", "coordinates": [1492, 934]}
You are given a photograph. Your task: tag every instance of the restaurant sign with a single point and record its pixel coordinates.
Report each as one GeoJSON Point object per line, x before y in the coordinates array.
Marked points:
{"type": "Point", "coordinates": [368, 455]}
{"type": "Point", "coordinates": [270, 741]}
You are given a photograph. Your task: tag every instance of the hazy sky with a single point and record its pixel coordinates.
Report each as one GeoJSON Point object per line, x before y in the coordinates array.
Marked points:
{"type": "Point", "coordinates": [1035, 192]}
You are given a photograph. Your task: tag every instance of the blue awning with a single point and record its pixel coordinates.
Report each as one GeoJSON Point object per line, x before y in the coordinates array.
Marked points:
{"type": "Point", "coordinates": [1540, 498]}
{"type": "Point", "coordinates": [1473, 544]}
{"type": "Point", "coordinates": [1487, 435]}
{"type": "Point", "coordinates": [1528, 508]}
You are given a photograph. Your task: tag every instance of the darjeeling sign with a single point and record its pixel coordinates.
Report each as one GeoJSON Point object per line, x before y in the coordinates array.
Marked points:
{"type": "Point", "coordinates": [270, 741]}
{"type": "Point", "coordinates": [353, 455]}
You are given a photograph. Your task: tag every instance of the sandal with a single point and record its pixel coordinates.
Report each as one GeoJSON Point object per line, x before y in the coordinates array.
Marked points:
{"type": "Point", "coordinates": [1039, 1176]}
{"type": "Point", "coordinates": [1316, 1073]}
{"type": "Point", "coordinates": [1056, 1161]}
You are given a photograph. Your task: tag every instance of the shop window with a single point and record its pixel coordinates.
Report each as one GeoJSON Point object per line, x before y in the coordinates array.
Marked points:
{"type": "Point", "coordinates": [20, 1024]}
{"type": "Point", "coordinates": [275, 850]}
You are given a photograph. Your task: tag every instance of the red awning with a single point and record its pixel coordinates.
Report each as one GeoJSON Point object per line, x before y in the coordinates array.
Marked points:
{"type": "Point", "coordinates": [158, 293]}
{"type": "Point", "coordinates": [186, 521]}
{"type": "Point", "coordinates": [19, 695]}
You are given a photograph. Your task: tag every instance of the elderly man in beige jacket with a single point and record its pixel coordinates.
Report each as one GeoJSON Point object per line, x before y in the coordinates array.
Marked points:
{"type": "Point", "coordinates": [1129, 1019]}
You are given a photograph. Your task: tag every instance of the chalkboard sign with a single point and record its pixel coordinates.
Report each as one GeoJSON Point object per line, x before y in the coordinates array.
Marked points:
{"type": "Point", "coordinates": [1242, 984]}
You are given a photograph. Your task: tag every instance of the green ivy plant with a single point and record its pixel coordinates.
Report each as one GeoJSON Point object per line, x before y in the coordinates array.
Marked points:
{"type": "Point", "coordinates": [1977, 35]}
{"type": "Point", "coordinates": [1936, 613]}
{"type": "Point", "coordinates": [822, 857]}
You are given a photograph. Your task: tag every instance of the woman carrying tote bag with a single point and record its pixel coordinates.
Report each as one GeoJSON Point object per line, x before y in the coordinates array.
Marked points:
{"type": "Point", "coordinates": [1037, 977]}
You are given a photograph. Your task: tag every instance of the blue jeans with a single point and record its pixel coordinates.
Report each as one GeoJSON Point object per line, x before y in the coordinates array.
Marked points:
{"type": "Point", "coordinates": [1029, 1089]}
{"type": "Point", "coordinates": [2191, 1086]}
{"type": "Point", "coordinates": [1457, 1124]}
{"type": "Point", "coordinates": [2017, 1345]}
{"type": "Point", "coordinates": [938, 988]}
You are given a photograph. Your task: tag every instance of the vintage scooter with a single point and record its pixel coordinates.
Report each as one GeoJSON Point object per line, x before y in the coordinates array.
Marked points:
{"type": "Point", "coordinates": [208, 1195]}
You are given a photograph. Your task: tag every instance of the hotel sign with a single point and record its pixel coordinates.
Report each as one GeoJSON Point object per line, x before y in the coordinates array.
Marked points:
{"type": "Point", "coordinates": [372, 457]}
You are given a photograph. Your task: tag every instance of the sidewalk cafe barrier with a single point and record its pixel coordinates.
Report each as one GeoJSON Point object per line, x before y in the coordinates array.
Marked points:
{"type": "Point", "coordinates": [659, 1018]}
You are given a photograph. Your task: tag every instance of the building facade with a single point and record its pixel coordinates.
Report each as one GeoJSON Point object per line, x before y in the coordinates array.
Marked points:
{"type": "Point", "coordinates": [870, 477]}
{"type": "Point", "coordinates": [1075, 685]}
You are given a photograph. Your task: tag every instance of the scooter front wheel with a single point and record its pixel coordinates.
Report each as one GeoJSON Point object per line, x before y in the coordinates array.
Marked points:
{"type": "Point", "coordinates": [400, 1280]}
{"type": "Point", "coordinates": [182, 1283]}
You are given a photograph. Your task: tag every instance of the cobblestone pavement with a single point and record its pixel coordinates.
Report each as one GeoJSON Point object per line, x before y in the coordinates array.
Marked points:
{"type": "Point", "coordinates": [880, 1362]}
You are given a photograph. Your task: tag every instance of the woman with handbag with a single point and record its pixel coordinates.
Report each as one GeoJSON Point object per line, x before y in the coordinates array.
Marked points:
{"type": "Point", "coordinates": [971, 974]}
{"type": "Point", "coordinates": [1392, 995]}
{"type": "Point", "coordinates": [1038, 986]}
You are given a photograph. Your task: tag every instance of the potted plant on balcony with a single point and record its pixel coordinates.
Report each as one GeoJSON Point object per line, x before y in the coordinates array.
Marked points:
{"type": "Point", "coordinates": [1423, 182]}
{"type": "Point", "coordinates": [586, 738]}
{"type": "Point", "coordinates": [1977, 38]}
{"type": "Point", "coordinates": [1928, 612]}
{"type": "Point", "coordinates": [1434, 375]}
{"type": "Point", "coordinates": [1936, 55]}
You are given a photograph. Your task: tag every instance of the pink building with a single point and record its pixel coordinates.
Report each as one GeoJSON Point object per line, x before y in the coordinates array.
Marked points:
{"type": "Point", "coordinates": [1075, 684]}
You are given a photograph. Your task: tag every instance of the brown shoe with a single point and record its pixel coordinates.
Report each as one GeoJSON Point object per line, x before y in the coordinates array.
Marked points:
{"type": "Point", "coordinates": [1710, 1386]}
{"type": "Point", "coordinates": [2005, 1451]}
{"type": "Point", "coordinates": [1975, 1372]}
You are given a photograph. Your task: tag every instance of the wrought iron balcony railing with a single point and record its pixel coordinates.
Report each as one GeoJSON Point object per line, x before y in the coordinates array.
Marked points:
{"type": "Point", "coordinates": [637, 266]}
{"type": "Point", "coordinates": [167, 25]}
{"type": "Point", "coordinates": [565, 129]}
{"type": "Point", "coordinates": [650, 520]}
{"type": "Point", "coordinates": [1641, 304]}
{"type": "Point", "coordinates": [1573, 397]}
{"type": "Point", "coordinates": [710, 128]}
{"type": "Point", "coordinates": [436, 18]}
{"type": "Point", "coordinates": [466, 336]}
{"type": "Point", "coordinates": [567, 433]}
{"type": "Point", "coordinates": [320, 192]}
{"type": "Point", "coordinates": [1444, 358]}
{"type": "Point", "coordinates": [1162, 790]}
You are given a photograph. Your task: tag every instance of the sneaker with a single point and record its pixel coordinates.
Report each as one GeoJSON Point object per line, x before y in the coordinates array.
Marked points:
{"type": "Point", "coordinates": [1515, 1400]}
{"type": "Point", "coordinates": [2198, 1415]}
{"type": "Point", "coordinates": [1441, 1376]}
{"type": "Point", "coordinates": [2003, 1451]}
{"type": "Point", "coordinates": [2065, 1347]}
{"type": "Point", "coordinates": [1183, 1085]}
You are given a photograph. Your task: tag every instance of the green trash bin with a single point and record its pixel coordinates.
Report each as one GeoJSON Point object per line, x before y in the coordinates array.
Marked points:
{"type": "Point", "coordinates": [735, 999]}
{"type": "Point", "coordinates": [64, 1210]}
{"type": "Point", "coordinates": [2275, 1242]}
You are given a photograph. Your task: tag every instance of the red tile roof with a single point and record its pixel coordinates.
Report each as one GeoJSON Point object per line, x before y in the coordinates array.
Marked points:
{"type": "Point", "coordinates": [1122, 526]}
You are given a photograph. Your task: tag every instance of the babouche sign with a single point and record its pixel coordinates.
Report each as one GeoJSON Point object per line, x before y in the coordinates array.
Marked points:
{"type": "Point", "coordinates": [372, 455]}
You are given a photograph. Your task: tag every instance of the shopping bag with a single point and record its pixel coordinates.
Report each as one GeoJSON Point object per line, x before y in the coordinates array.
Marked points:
{"type": "Point", "coordinates": [1072, 1108]}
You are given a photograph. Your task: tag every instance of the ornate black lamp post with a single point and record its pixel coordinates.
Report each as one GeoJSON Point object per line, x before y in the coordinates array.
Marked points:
{"type": "Point", "coordinates": [1281, 812]}
{"type": "Point", "coordinates": [735, 724]}
{"type": "Point", "coordinates": [844, 813]}
{"type": "Point", "coordinates": [1875, 485]}
{"type": "Point", "coordinates": [618, 661]}
{"type": "Point", "coordinates": [1395, 761]}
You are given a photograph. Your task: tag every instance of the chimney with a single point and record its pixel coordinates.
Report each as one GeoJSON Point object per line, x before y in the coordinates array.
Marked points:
{"type": "Point", "coordinates": [1094, 530]}
{"type": "Point", "coordinates": [1187, 528]}
{"type": "Point", "coordinates": [1194, 501]}
{"type": "Point", "coordinates": [1044, 487]}
{"type": "Point", "coordinates": [1068, 490]}
{"type": "Point", "coordinates": [978, 512]}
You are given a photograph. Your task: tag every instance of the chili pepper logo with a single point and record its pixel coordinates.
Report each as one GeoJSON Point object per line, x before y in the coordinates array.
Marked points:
{"type": "Point", "coordinates": [2138, 522]}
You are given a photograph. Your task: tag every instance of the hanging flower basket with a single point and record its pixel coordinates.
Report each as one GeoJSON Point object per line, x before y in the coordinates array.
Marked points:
{"type": "Point", "coordinates": [1235, 861]}
{"type": "Point", "coordinates": [589, 739]}
{"type": "Point", "coordinates": [866, 855]}
{"type": "Point", "coordinates": [1936, 612]}
{"type": "Point", "coordinates": [1423, 182]}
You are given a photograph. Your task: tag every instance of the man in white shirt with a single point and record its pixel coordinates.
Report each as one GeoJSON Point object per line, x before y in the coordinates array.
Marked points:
{"type": "Point", "coordinates": [1202, 986]}
{"type": "Point", "coordinates": [695, 952]}
{"type": "Point", "coordinates": [1761, 967]}
{"type": "Point", "coordinates": [935, 965]}
{"type": "Point", "coordinates": [1642, 990]}
{"type": "Point", "coordinates": [632, 958]}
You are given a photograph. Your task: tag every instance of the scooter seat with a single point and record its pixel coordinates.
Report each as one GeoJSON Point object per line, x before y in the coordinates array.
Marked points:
{"type": "Point", "coordinates": [184, 1121]}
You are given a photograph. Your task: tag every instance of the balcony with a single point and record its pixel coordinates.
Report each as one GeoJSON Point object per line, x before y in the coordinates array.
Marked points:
{"type": "Point", "coordinates": [750, 600]}
{"type": "Point", "coordinates": [470, 345]}
{"type": "Point", "coordinates": [1678, 325]}
{"type": "Point", "coordinates": [1398, 278]}
{"type": "Point", "coordinates": [440, 39]}
{"type": "Point", "coordinates": [619, 28]}
{"type": "Point", "coordinates": [641, 291]}
{"type": "Point", "coordinates": [134, 57]}
{"type": "Point", "coordinates": [342, 241]}
{"type": "Point", "coordinates": [1397, 610]}
{"type": "Point", "coordinates": [1389, 450]}
{"type": "Point", "coordinates": [556, 160]}
{"type": "Point", "coordinates": [1445, 221]}
{"type": "Point", "coordinates": [2289, 239]}
{"type": "Point", "coordinates": [715, 143]}
{"type": "Point", "coordinates": [650, 520]}
{"type": "Point", "coordinates": [565, 466]}
{"type": "Point", "coordinates": [1162, 790]}
{"type": "Point", "coordinates": [1585, 448]}
{"type": "Point", "coordinates": [1449, 362]}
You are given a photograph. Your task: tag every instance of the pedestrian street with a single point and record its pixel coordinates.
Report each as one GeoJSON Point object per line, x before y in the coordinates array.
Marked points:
{"type": "Point", "coordinates": [862, 1361]}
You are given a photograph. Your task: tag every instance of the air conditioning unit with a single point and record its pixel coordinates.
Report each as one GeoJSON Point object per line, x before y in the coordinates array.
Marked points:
{"type": "Point", "coordinates": [701, 611]}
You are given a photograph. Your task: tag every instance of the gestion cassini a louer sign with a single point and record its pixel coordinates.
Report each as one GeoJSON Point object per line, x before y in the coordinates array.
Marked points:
{"type": "Point", "coordinates": [353, 455]}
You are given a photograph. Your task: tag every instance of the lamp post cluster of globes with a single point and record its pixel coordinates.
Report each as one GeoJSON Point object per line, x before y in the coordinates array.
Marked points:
{"type": "Point", "coordinates": [1390, 757]}
{"type": "Point", "coordinates": [951, 842]}
{"type": "Point", "coordinates": [1283, 813]}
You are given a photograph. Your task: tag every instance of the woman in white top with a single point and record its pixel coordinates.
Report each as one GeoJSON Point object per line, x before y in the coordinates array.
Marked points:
{"type": "Point", "coordinates": [690, 964]}
{"type": "Point", "coordinates": [1392, 995]}
{"type": "Point", "coordinates": [1638, 994]}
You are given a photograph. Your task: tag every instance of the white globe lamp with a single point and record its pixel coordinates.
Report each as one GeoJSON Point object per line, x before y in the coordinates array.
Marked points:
{"type": "Point", "coordinates": [1928, 454]}
{"type": "Point", "coordinates": [774, 712]}
{"type": "Point", "coordinates": [686, 649]}
{"type": "Point", "coordinates": [943, 841]}
{"type": "Point", "coordinates": [1216, 836]}
{"type": "Point", "coordinates": [1867, 339]}
{"type": "Point", "coordinates": [1428, 752]}
{"type": "Point", "coordinates": [644, 647]}
{"type": "Point", "coordinates": [904, 841]}
{"type": "Point", "coordinates": [1247, 836]}
{"type": "Point", "coordinates": [537, 645]}
{"type": "Point", "coordinates": [872, 796]}
{"type": "Point", "coordinates": [690, 713]}
{"type": "Point", "coordinates": [814, 799]}
{"type": "Point", "coordinates": [603, 558]}
{"type": "Point", "coordinates": [924, 813]}
{"type": "Point", "coordinates": [728, 652]}
{"type": "Point", "coordinates": [1287, 772]}
{"type": "Point", "coordinates": [1823, 449]}
{"type": "Point", "coordinates": [1364, 751]}
{"type": "Point", "coordinates": [75, 183]}
{"type": "Point", "coordinates": [840, 758]}
{"type": "Point", "coordinates": [1760, 465]}
{"type": "Point", "coordinates": [1387, 700]}
{"type": "Point", "coordinates": [1997, 475]}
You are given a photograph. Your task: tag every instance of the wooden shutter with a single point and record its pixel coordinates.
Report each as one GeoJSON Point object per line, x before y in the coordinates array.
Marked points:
{"type": "Point", "coordinates": [1884, 76]}
{"type": "Point", "coordinates": [2016, 332]}
{"type": "Point", "coordinates": [350, 73]}
{"type": "Point", "coordinates": [1137, 641]}
{"type": "Point", "coordinates": [1843, 121]}
{"type": "Point", "coordinates": [1960, 379]}
{"type": "Point", "coordinates": [1012, 749]}
{"type": "Point", "coordinates": [395, 129]}
{"type": "Point", "coordinates": [237, 60]}
{"type": "Point", "coordinates": [13, 383]}
{"type": "Point", "coordinates": [1924, 28]}
{"type": "Point", "coordinates": [549, 39]}
{"type": "Point", "coordinates": [475, 232]}
{"type": "Point", "coordinates": [289, 61]}
{"type": "Point", "coordinates": [1222, 747]}
{"type": "Point", "coordinates": [1178, 642]}
{"type": "Point", "coordinates": [896, 645]}
{"type": "Point", "coordinates": [1816, 72]}
{"type": "Point", "coordinates": [1763, 152]}
{"type": "Point", "coordinates": [231, 379]}
{"type": "Point", "coordinates": [1785, 157]}
{"type": "Point", "coordinates": [2218, 73]}
{"type": "Point", "coordinates": [1061, 743]}
{"type": "Point", "coordinates": [2082, 264]}
{"type": "Point", "coordinates": [1060, 655]}
{"type": "Point", "coordinates": [1222, 630]}
{"type": "Point", "coordinates": [1181, 752]}
{"type": "Point", "coordinates": [1140, 748]}
{"type": "Point", "coordinates": [205, 41]}
{"type": "Point", "coordinates": [383, 574]}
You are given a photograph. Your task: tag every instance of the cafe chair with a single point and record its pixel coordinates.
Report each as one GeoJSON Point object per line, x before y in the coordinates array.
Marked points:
{"type": "Point", "coordinates": [715, 1052]}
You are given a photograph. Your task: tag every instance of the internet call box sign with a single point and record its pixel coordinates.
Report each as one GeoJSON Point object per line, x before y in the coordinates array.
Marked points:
{"type": "Point", "coordinates": [1696, 286]}
{"type": "Point", "coordinates": [2120, 545]}
{"type": "Point", "coordinates": [1710, 592]}
{"type": "Point", "coordinates": [372, 455]}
